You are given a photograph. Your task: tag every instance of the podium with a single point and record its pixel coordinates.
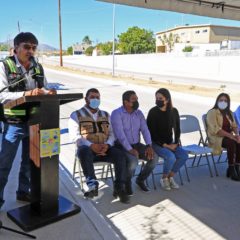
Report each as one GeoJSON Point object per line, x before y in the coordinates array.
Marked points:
{"type": "Point", "coordinates": [46, 206]}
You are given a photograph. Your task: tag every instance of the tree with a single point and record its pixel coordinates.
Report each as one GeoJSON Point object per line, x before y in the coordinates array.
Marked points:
{"type": "Point", "coordinates": [169, 40]}
{"type": "Point", "coordinates": [89, 51]}
{"type": "Point", "coordinates": [136, 40]}
{"type": "Point", "coordinates": [4, 47]}
{"type": "Point", "coordinates": [106, 48]}
{"type": "Point", "coordinates": [187, 49]}
{"type": "Point", "coordinates": [87, 40]}
{"type": "Point", "coordinates": [70, 50]}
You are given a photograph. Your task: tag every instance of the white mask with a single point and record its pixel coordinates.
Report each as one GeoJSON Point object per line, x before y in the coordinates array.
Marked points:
{"type": "Point", "coordinates": [222, 105]}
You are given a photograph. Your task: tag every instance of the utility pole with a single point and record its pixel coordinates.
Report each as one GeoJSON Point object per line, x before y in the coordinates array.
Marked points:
{"type": "Point", "coordinates": [113, 44]}
{"type": "Point", "coordinates": [60, 32]}
{"type": "Point", "coordinates": [18, 27]}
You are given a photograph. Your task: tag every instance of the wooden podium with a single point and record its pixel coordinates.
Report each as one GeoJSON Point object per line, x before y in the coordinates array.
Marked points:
{"type": "Point", "coordinates": [46, 204]}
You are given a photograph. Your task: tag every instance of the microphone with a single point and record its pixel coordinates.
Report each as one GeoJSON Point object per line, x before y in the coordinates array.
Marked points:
{"type": "Point", "coordinates": [33, 61]}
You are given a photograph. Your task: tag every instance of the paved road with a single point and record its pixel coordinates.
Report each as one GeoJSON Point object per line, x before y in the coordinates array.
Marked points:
{"type": "Point", "coordinates": [190, 80]}
{"type": "Point", "coordinates": [111, 92]}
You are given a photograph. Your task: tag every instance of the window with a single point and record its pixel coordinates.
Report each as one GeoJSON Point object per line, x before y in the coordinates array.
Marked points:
{"type": "Point", "coordinates": [197, 32]}
{"type": "Point", "coordinates": [205, 30]}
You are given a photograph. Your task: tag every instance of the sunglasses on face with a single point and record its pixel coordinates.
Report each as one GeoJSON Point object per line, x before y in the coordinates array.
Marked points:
{"type": "Point", "coordinates": [27, 46]}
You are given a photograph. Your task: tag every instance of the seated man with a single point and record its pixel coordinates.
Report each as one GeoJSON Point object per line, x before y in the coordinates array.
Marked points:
{"type": "Point", "coordinates": [90, 128]}
{"type": "Point", "coordinates": [128, 122]}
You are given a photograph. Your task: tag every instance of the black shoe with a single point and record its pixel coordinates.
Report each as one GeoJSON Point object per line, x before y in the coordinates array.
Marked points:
{"type": "Point", "coordinates": [25, 197]}
{"type": "Point", "coordinates": [142, 185]}
{"type": "Point", "coordinates": [227, 173]}
{"type": "Point", "coordinates": [237, 168]}
{"type": "Point", "coordinates": [128, 188]}
{"type": "Point", "coordinates": [91, 194]}
{"type": "Point", "coordinates": [232, 173]}
{"type": "Point", "coordinates": [123, 197]}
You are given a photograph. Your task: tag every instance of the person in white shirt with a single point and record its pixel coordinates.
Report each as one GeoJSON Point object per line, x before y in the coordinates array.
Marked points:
{"type": "Point", "coordinates": [90, 129]}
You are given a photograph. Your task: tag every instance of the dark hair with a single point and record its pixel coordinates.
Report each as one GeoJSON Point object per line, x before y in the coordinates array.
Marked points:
{"type": "Point", "coordinates": [25, 37]}
{"type": "Point", "coordinates": [227, 111]}
{"type": "Point", "coordinates": [167, 95]}
{"type": "Point", "coordinates": [94, 90]}
{"type": "Point", "coordinates": [127, 95]}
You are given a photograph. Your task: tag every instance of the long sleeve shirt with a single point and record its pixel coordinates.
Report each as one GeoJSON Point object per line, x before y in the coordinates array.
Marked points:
{"type": "Point", "coordinates": [162, 125]}
{"type": "Point", "coordinates": [74, 131]}
{"type": "Point", "coordinates": [128, 126]}
{"type": "Point", "coordinates": [29, 81]}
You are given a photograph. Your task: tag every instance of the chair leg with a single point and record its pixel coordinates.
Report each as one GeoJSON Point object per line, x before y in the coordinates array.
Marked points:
{"type": "Point", "coordinates": [219, 158]}
{"type": "Point", "coordinates": [210, 170]}
{"type": "Point", "coordinates": [180, 176]}
{"type": "Point", "coordinates": [153, 180]}
{"type": "Point", "coordinates": [103, 170]}
{"type": "Point", "coordinates": [74, 168]}
{"type": "Point", "coordinates": [199, 159]}
{"type": "Point", "coordinates": [80, 174]}
{"type": "Point", "coordinates": [111, 171]}
{"type": "Point", "coordinates": [194, 159]}
{"type": "Point", "coordinates": [214, 165]}
{"type": "Point", "coordinates": [186, 170]}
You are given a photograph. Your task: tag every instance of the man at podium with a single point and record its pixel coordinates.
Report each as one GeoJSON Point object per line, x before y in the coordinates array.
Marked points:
{"type": "Point", "coordinates": [20, 75]}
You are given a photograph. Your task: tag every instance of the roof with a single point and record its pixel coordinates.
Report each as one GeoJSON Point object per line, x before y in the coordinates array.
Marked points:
{"type": "Point", "coordinates": [227, 9]}
{"type": "Point", "coordinates": [197, 26]}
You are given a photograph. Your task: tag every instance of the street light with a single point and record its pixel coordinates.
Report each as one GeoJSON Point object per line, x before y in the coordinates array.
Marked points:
{"type": "Point", "coordinates": [60, 32]}
{"type": "Point", "coordinates": [113, 44]}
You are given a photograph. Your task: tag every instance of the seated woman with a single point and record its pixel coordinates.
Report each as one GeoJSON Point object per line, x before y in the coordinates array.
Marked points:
{"type": "Point", "coordinates": [162, 120]}
{"type": "Point", "coordinates": [223, 133]}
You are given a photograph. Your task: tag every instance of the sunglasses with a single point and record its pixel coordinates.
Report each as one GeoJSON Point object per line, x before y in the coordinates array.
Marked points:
{"type": "Point", "coordinates": [27, 46]}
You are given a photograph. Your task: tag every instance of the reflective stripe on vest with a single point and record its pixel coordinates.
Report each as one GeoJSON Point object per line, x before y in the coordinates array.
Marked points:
{"type": "Point", "coordinates": [37, 70]}
{"type": "Point", "coordinates": [11, 112]}
{"type": "Point", "coordinates": [11, 65]}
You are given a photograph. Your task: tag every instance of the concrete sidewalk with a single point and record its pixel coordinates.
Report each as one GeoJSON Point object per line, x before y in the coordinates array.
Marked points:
{"type": "Point", "coordinates": [206, 208]}
{"type": "Point", "coordinates": [79, 226]}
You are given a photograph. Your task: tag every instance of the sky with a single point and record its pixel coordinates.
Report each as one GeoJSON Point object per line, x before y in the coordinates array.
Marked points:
{"type": "Point", "coordinates": [86, 17]}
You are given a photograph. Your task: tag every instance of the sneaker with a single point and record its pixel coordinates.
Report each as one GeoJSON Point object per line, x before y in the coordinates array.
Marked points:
{"type": "Point", "coordinates": [92, 190]}
{"type": "Point", "coordinates": [165, 184]}
{"type": "Point", "coordinates": [173, 184]}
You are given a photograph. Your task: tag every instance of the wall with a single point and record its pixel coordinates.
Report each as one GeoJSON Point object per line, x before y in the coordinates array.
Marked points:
{"type": "Point", "coordinates": [225, 68]}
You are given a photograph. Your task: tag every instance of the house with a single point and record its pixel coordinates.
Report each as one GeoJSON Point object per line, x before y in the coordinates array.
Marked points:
{"type": "Point", "coordinates": [195, 34]}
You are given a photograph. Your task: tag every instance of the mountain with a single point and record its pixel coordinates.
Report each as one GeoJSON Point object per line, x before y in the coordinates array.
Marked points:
{"type": "Point", "coordinates": [41, 46]}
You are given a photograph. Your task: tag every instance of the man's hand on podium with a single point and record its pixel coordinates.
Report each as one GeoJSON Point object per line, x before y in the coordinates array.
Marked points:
{"type": "Point", "coordinates": [40, 91]}
{"type": "Point", "coordinates": [52, 92]}
{"type": "Point", "coordinates": [34, 92]}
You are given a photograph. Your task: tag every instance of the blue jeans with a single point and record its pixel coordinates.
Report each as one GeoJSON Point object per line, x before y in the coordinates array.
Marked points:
{"type": "Point", "coordinates": [88, 157]}
{"type": "Point", "coordinates": [132, 162]}
{"type": "Point", "coordinates": [173, 161]}
{"type": "Point", "coordinates": [12, 136]}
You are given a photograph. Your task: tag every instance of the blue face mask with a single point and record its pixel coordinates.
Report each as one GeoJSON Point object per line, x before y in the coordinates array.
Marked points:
{"type": "Point", "coordinates": [94, 103]}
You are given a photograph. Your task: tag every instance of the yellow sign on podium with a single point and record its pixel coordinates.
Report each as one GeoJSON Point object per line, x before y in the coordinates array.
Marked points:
{"type": "Point", "coordinates": [49, 142]}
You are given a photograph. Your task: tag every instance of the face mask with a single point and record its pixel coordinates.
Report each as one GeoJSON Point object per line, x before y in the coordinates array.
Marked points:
{"type": "Point", "coordinates": [135, 105]}
{"type": "Point", "coordinates": [94, 103]}
{"type": "Point", "coordinates": [160, 103]}
{"type": "Point", "coordinates": [222, 105]}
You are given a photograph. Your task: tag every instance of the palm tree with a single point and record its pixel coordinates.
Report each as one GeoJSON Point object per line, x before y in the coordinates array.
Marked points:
{"type": "Point", "coordinates": [87, 40]}
{"type": "Point", "coordinates": [169, 40]}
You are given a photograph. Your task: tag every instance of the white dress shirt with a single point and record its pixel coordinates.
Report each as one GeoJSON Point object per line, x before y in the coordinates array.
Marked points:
{"type": "Point", "coordinates": [29, 81]}
{"type": "Point", "coordinates": [74, 131]}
